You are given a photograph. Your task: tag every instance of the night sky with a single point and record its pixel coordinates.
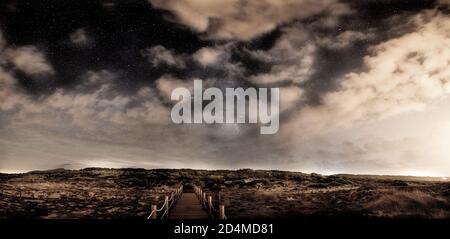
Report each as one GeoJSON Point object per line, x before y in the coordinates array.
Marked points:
{"type": "Point", "coordinates": [364, 85]}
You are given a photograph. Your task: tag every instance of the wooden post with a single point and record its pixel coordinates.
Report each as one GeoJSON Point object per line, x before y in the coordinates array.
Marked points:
{"type": "Point", "coordinates": [210, 205]}
{"type": "Point", "coordinates": [166, 208]}
{"type": "Point", "coordinates": [204, 198]}
{"type": "Point", "coordinates": [221, 211]}
{"type": "Point", "coordinates": [154, 212]}
{"type": "Point", "coordinates": [200, 195]}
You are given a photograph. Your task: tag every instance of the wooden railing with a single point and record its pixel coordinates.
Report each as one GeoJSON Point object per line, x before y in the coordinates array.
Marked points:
{"type": "Point", "coordinates": [167, 205]}
{"type": "Point", "coordinates": [206, 200]}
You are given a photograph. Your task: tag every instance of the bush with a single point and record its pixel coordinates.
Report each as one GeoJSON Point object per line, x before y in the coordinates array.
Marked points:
{"type": "Point", "coordinates": [395, 203]}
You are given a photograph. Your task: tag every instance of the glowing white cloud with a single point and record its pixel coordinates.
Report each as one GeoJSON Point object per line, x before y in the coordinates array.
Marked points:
{"type": "Point", "coordinates": [241, 20]}
{"type": "Point", "coordinates": [30, 60]}
{"type": "Point", "coordinates": [403, 74]}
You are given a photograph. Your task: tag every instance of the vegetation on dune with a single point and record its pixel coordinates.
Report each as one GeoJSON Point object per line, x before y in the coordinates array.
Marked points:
{"type": "Point", "coordinates": [128, 193]}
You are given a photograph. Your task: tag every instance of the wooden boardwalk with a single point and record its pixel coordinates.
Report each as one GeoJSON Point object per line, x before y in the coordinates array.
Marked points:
{"type": "Point", "coordinates": [188, 207]}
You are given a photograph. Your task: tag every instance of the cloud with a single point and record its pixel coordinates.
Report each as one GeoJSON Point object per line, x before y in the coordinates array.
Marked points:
{"type": "Point", "coordinates": [345, 39]}
{"type": "Point", "coordinates": [444, 2]}
{"type": "Point", "coordinates": [98, 105]}
{"type": "Point", "coordinates": [9, 98]}
{"type": "Point", "coordinates": [167, 83]}
{"type": "Point", "coordinates": [105, 105]}
{"type": "Point", "coordinates": [108, 4]}
{"type": "Point", "coordinates": [295, 59]}
{"type": "Point", "coordinates": [30, 60]}
{"type": "Point", "coordinates": [159, 55]}
{"type": "Point", "coordinates": [290, 97]}
{"type": "Point", "coordinates": [242, 20]}
{"type": "Point", "coordinates": [217, 63]}
{"type": "Point", "coordinates": [207, 56]}
{"type": "Point", "coordinates": [403, 74]}
{"type": "Point", "coordinates": [291, 58]}
{"type": "Point", "coordinates": [80, 37]}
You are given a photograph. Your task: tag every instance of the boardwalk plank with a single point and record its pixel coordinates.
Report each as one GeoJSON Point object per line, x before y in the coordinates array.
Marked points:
{"type": "Point", "coordinates": [188, 207]}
